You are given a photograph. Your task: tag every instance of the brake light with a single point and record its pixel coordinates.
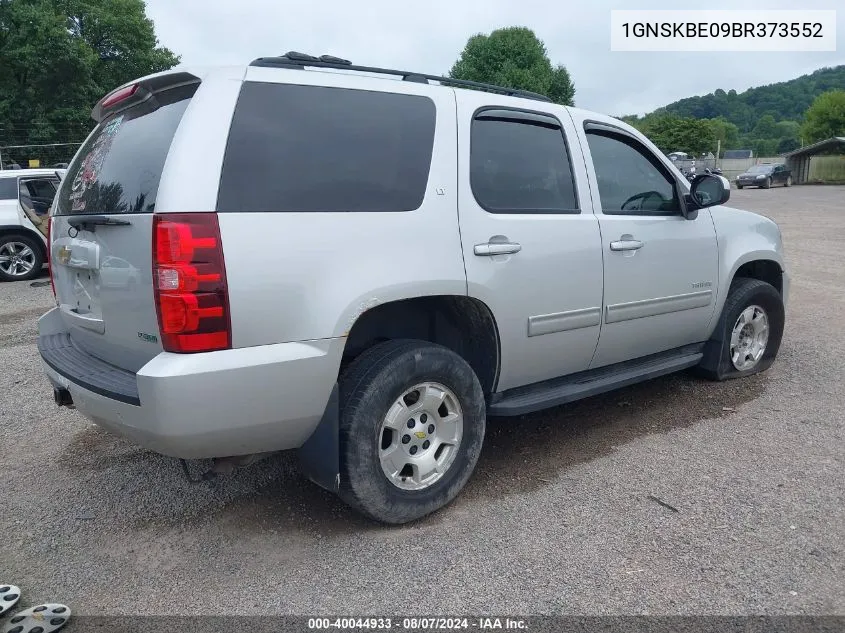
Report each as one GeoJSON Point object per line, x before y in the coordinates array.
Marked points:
{"type": "Point", "coordinates": [49, 256]}
{"type": "Point", "coordinates": [189, 278]}
{"type": "Point", "coordinates": [119, 95]}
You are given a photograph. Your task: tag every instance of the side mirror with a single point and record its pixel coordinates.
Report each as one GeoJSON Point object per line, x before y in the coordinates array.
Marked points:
{"type": "Point", "coordinates": [709, 190]}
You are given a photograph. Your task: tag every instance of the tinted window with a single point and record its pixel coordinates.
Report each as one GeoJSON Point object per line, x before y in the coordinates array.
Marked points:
{"type": "Point", "coordinates": [39, 188]}
{"type": "Point", "coordinates": [307, 148]}
{"type": "Point", "coordinates": [8, 188]}
{"type": "Point", "coordinates": [630, 179]}
{"type": "Point", "coordinates": [118, 169]}
{"type": "Point", "coordinates": [520, 167]}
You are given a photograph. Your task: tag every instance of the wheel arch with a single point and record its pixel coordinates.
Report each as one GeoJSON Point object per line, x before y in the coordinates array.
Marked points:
{"type": "Point", "coordinates": [465, 325]}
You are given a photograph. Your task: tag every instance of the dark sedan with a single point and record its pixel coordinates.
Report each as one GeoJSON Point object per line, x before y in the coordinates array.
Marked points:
{"type": "Point", "coordinates": [765, 176]}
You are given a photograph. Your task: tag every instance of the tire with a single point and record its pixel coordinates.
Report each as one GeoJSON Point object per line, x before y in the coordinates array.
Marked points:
{"type": "Point", "coordinates": [738, 186]}
{"type": "Point", "coordinates": [767, 184]}
{"type": "Point", "coordinates": [29, 253]}
{"type": "Point", "coordinates": [370, 388]}
{"type": "Point", "coordinates": [788, 182]}
{"type": "Point", "coordinates": [743, 295]}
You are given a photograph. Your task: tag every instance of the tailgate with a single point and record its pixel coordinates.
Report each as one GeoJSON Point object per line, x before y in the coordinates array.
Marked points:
{"type": "Point", "coordinates": [101, 232]}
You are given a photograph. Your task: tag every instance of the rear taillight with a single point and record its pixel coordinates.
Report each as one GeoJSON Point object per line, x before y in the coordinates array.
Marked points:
{"type": "Point", "coordinates": [50, 255]}
{"type": "Point", "coordinates": [189, 277]}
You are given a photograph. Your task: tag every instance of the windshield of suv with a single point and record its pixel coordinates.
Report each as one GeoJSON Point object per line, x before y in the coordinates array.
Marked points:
{"type": "Point", "coordinates": [760, 169]}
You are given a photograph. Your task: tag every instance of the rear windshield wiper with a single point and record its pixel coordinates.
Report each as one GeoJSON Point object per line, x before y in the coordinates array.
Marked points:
{"type": "Point", "coordinates": [89, 222]}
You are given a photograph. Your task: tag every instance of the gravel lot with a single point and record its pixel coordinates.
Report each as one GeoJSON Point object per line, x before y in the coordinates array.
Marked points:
{"type": "Point", "coordinates": [557, 519]}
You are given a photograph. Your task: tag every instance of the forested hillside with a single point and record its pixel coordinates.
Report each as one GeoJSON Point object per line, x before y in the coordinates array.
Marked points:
{"type": "Point", "coordinates": [766, 119]}
{"type": "Point", "coordinates": [787, 100]}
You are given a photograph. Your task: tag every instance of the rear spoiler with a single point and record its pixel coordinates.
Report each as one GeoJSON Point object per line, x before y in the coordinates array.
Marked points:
{"type": "Point", "coordinates": [132, 94]}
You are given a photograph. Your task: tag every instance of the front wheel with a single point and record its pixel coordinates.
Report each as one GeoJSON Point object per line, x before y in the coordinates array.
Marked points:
{"type": "Point", "coordinates": [767, 184]}
{"type": "Point", "coordinates": [788, 182]}
{"type": "Point", "coordinates": [412, 423]}
{"type": "Point", "coordinates": [20, 258]}
{"type": "Point", "coordinates": [748, 335]}
{"type": "Point", "coordinates": [738, 186]}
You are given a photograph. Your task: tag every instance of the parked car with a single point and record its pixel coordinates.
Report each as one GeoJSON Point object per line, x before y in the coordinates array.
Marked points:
{"type": "Point", "coordinates": [306, 280]}
{"type": "Point", "coordinates": [25, 198]}
{"type": "Point", "coordinates": [765, 176]}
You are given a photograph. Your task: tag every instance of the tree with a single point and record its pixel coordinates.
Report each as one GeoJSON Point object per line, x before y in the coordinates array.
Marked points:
{"type": "Point", "coordinates": [675, 134]}
{"type": "Point", "coordinates": [726, 132]}
{"type": "Point", "coordinates": [59, 57]}
{"type": "Point", "coordinates": [513, 57]}
{"type": "Point", "coordinates": [825, 118]}
{"type": "Point", "coordinates": [766, 127]}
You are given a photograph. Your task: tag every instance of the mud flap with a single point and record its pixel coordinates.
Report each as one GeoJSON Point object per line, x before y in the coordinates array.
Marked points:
{"type": "Point", "coordinates": [319, 457]}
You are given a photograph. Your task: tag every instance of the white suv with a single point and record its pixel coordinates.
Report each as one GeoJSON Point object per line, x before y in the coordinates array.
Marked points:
{"type": "Point", "coordinates": [25, 198]}
{"type": "Point", "coordinates": [362, 264]}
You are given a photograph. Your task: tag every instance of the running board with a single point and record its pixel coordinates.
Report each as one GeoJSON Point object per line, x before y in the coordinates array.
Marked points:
{"type": "Point", "coordinates": [551, 393]}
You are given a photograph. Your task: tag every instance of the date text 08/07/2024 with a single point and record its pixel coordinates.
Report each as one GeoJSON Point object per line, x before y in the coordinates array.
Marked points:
{"type": "Point", "coordinates": [416, 623]}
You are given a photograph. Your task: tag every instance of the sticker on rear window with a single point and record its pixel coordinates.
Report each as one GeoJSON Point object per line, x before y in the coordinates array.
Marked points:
{"type": "Point", "coordinates": [88, 173]}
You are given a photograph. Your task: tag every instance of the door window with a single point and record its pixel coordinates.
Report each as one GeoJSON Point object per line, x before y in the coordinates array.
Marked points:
{"type": "Point", "coordinates": [519, 163]}
{"type": "Point", "coordinates": [36, 195]}
{"type": "Point", "coordinates": [631, 179]}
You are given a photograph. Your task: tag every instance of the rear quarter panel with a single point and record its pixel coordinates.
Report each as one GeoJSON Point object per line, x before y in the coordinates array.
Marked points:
{"type": "Point", "coordinates": [305, 276]}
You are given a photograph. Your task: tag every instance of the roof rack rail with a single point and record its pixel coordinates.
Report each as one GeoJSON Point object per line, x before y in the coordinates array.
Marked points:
{"type": "Point", "coordinates": [297, 60]}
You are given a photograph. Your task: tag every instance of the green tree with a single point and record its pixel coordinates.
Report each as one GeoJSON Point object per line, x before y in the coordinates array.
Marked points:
{"type": "Point", "coordinates": [675, 134]}
{"type": "Point", "coordinates": [59, 57]}
{"type": "Point", "coordinates": [766, 127]}
{"type": "Point", "coordinates": [514, 57]}
{"type": "Point", "coordinates": [726, 132]}
{"type": "Point", "coordinates": [825, 117]}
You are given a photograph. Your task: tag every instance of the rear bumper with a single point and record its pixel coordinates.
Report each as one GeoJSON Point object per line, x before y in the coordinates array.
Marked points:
{"type": "Point", "coordinates": [218, 404]}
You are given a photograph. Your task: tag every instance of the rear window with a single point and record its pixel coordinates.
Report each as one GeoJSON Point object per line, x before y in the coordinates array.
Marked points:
{"type": "Point", "coordinates": [8, 188]}
{"type": "Point", "coordinates": [316, 149]}
{"type": "Point", "coordinates": [118, 169]}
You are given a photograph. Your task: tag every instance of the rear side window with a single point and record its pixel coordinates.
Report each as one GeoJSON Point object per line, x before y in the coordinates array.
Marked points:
{"type": "Point", "coordinates": [521, 166]}
{"type": "Point", "coordinates": [118, 169]}
{"type": "Point", "coordinates": [316, 149]}
{"type": "Point", "coordinates": [8, 188]}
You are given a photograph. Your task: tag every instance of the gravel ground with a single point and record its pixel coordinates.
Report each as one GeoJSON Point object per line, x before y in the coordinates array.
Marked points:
{"type": "Point", "coordinates": [560, 516]}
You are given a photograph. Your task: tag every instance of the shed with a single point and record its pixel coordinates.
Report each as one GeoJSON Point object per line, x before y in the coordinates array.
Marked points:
{"type": "Point", "coordinates": [809, 165]}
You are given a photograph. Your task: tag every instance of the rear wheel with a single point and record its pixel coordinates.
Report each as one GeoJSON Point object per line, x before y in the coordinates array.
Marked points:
{"type": "Point", "coordinates": [738, 186]}
{"type": "Point", "coordinates": [788, 182]}
{"type": "Point", "coordinates": [20, 258]}
{"type": "Point", "coordinates": [748, 335]}
{"type": "Point", "coordinates": [412, 423]}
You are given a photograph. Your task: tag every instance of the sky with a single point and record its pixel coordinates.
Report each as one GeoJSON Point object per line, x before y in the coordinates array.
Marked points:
{"type": "Point", "coordinates": [429, 37]}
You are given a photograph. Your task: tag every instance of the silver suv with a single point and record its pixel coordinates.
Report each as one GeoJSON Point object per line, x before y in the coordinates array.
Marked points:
{"type": "Point", "coordinates": [363, 264]}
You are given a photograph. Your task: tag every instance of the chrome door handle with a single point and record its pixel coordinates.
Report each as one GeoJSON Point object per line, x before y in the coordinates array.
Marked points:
{"type": "Point", "coordinates": [626, 245]}
{"type": "Point", "coordinates": [497, 248]}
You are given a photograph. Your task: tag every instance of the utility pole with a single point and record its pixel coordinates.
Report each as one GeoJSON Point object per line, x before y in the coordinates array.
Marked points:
{"type": "Point", "coordinates": [718, 150]}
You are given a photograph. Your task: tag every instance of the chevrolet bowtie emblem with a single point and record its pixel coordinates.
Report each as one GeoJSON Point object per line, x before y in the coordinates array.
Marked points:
{"type": "Point", "coordinates": [420, 434]}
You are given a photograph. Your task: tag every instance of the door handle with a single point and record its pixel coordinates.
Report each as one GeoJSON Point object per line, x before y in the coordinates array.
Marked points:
{"type": "Point", "coordinates": [626, 245]}
{"type": "Point", "coordinates": [497, 248]}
